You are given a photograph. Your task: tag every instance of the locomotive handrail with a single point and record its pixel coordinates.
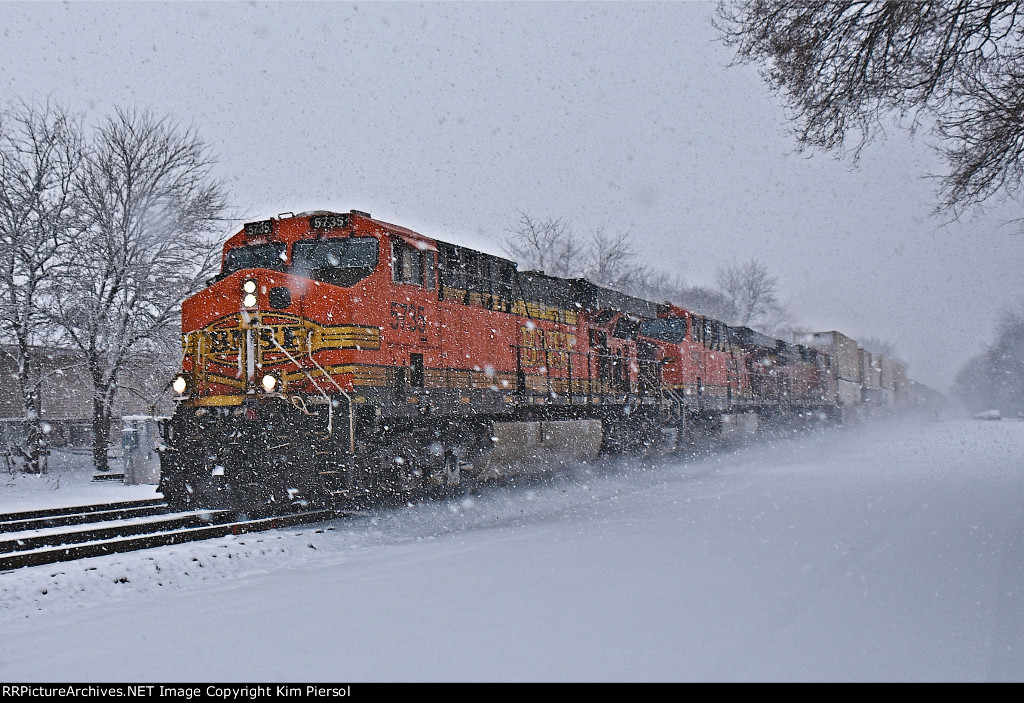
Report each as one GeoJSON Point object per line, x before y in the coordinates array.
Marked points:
{"type": "Point", "coordinates": [330, 405]}
{"type": "Point", "coordinates": [601, 383]}
{"type": "Point", "coordinates": [677, 401]}
{"type": "Point", "coordinates": [300, 368]}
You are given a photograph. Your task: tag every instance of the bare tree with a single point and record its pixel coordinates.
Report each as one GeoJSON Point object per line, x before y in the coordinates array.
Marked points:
{"type": "Point", "coordinates": [551, 246]}
{"type": "Point", "coordinates": [611, 261]}
{"type": "Point", "coordinates": [705, 301]}
{"type": "Point", "coordinates": [841, 66]}
{"type": "Point", "coordinates": [40, 156]}
{"type": "Point", "coordinates": [544, 245]}
{"type": "Point", "coordinates": [662, 286]}
{"type": "Point", "coordinates": [884, 347]}
{"type": "Point", "coordinates": [995, 378]}
{"type": "Point", "coordinates": [747, 295]}
{"type": "Point", "coordinates": [751, 291]}
{"type": "Point", "coordinates": [150, 204]}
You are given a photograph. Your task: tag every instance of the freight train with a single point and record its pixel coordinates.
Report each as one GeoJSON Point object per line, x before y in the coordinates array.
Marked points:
{"type": "Point", "coordinates": [340, 360]}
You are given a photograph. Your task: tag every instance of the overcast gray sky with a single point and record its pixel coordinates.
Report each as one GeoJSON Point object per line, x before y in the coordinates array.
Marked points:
{"type": "Point", "coordinates": [451, 118]}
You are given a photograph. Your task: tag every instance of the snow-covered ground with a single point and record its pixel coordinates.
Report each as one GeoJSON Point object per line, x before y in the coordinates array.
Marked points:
{"type": "Point", "coordinates": [891, 551]}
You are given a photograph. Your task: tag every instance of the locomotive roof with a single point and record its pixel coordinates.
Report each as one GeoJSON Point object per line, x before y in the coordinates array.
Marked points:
{"type": "Point", "coordinates": [442, 245]}
{"type": "Point", "coordinates": [539, 287]}
{"type": "Point", "coordinates": [289, 227]}
{"type": "Point", "coordinates": [594, 297]}
{"type": "Point", "coordinates": [746, 337]}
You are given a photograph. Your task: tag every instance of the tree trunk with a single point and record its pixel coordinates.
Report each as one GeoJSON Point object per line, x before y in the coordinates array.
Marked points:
{"type": "Point", "coordinates": [100, 432]}
{"type": "Point", "coordinates": [104, 388]}
{"type": "Point", "coordinates": [31, 454]}
{"type": "Point", "coordinates": [34, 448]}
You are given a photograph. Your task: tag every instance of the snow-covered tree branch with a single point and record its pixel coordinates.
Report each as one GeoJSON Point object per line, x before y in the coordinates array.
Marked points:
{"type": "Point", "coordinates": [841, 67]}
{"type": "Point", "coordinates": [753, 294]}
{"type": "Point", "coordinates": [150, 204]}
{"type": "Point", "coordinates": [544, 245]}
{"type": "Point", "coordinates": [41, 155]}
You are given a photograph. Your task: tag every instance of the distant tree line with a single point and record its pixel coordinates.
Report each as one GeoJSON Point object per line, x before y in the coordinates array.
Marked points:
{"type": "Point", "coordinates": [994, 380]}
{"type": "Point", "coordinates": [103, 232]}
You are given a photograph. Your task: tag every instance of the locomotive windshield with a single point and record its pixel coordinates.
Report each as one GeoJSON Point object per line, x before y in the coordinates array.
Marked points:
{"type": "Point", "coordinates": [255, 256]}
{"type": "Point", "coordinates": [626, 328]}
{"type": "Point", "coordinates": [340, 262]}
{"type": "Point", "coordinates": [672, 330]}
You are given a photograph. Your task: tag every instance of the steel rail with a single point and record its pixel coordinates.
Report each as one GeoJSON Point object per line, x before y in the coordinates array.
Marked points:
{"type": "Point", "coordinates": [75, 509]}
{"type": "Point", "coordinates": [36, 539]}
{"type": "Point", "coordinates": [51, 555]}
{"type": "Point", "coordinates": [37, 523]}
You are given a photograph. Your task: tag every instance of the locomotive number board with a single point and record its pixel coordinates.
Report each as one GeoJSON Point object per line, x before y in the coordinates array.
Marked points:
{"type": "Point", "coordinates": [328, 221]}
{"type": "Point", "coordinates": [262, 228]}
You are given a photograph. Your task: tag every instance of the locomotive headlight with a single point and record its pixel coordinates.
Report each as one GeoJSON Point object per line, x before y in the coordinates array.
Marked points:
{"type": "Point", "coordinates": [180, 384]}
{"type": "Point", "coordinates": [269, 382]}
{"type": "Point", "coordinates": [249, 288]}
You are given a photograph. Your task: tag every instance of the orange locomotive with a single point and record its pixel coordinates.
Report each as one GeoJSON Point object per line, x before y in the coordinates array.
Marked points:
{"type": "Point", "coordinates": [338, 359]}
{"type": "Point", "coordinates": [714, 374]}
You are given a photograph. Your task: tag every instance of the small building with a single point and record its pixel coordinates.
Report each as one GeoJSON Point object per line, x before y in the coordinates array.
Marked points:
{"type": "Point", "coordinates": [66, 396]}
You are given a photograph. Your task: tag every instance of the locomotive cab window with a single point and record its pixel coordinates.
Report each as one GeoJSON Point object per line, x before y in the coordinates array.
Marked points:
{"type": "Point", "coordinates": [406, 263]}
{"type": "Point", "coordinates": [697, 329]}
{"type": "Point", "coordinates": [626, 328]}
{"type": "Point", "coordinates": [429, 269]}
{"type": "Point", "coordinates": [671, 330]}
{"type": "Point", "coordinates": [340, 262]}
{"type": "Point", "coordinates": [255, 256]}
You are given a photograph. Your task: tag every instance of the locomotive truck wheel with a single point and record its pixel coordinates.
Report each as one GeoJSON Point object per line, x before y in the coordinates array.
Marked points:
{"type": "Point", "coordinates": [406, 472]}
{"type": "Point", "coordinates": [177, 494]}
{"type": "Point", "coordinates": [399, 469]}
{"type": "Point", "coordinates": [452, 471]}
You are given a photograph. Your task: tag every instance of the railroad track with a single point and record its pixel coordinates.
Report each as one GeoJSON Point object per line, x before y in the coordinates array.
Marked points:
{"type": "Point", "coordinates": [80, 514]}
{"type": "Point", "coordinates": [33, 538]}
